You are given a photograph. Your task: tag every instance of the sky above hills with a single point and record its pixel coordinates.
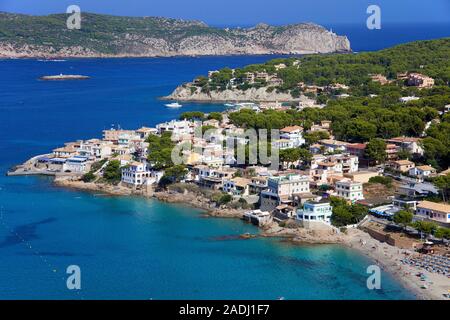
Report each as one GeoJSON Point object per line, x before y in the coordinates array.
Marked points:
{"type": "Point", "coordinates": [250, 12]}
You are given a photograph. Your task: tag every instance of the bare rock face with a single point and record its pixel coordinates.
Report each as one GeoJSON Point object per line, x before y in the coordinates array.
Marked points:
{"type": "Point", "coordinates": [183, 93]}
{"type": "Point", "coordinates": [109, 36]}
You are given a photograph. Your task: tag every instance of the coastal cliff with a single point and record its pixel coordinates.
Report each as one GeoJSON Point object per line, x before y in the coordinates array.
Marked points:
{"type": "Point", "coordinates": [184, 93]}
{"type": "Point", "coordinates": [24, 36]}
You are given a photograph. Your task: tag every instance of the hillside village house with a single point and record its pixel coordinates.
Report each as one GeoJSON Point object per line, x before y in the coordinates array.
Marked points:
{"type": "Point", "coordinates": [411, 144]}
{"type": "Point", "coordinates": [402, 165]}
{"type": "Point", "coordinates": [144, 132]}
{"type": "Point", "coordinates": [391, 151]}
{"type": "Point", "coordinates": [294, 134]}
{"type": "Point", "coordinates": [349, 190]}
{"type": "Point", "coordinates": [422, 171]}
{"type": "Point", "coordinates": [315, 212]}
{"type": "Point", "coordinates": [177, 127]}
{"type": "Point", "coordinates": [113, 134]}
{"type": "Point", "coordinates": [420, 80]}
{"type": "Point", "coordinates": [331, 145]}
{"type": "Point", "coordinates": [282, 189]}
{"type": "Point", "coordinates": [438, 212]}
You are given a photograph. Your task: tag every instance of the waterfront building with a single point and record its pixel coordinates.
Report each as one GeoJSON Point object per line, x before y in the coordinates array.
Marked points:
{"type": "Point", "coordinates": [283, 189]}
{"type": "Point", "coordinates": [437, 212]}
{"type": "Point", "coordinates": [349, 190]}
{"type": "Point", "coordinates": [315, 212]}
{"type": "Point", "coordinates": [136, 174]}
{"type": "Point", "coordinates": [76, 164]}
{"type": "Point", "coordinates": [237, 186]}
{"type": "Point", "coordinates": [258, 184]}
{"type": "Point", "coordinates": [95, 149]}
{"type": "Point", "coordinates": [65, 152]}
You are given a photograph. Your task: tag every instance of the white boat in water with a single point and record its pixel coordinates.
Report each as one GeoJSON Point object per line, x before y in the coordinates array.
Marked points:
{"type": "Point", "coordinates": [229, 105]}
{"type": "Point", "coordinates": [173, 105]}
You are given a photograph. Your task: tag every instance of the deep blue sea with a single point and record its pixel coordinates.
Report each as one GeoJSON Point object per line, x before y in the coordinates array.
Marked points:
{"type": "Point", "coordinates": [132, 248]}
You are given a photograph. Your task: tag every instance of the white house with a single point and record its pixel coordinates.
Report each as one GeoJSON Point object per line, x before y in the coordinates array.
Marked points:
{"type": "Point", "coordinates": [282, 144]}
{"type": "Point", "coordinates": [178, 128]}
{"type": "Point", "coordinates": [333, 145]}
{"type": "Point", "coordinates": [422, 171]}
{"type": "Point", "coordinates": [319, 211]}
{"type": "Point", "coordinates": [293, 134]}
{"type": "Point", "coordinates": [237, 186]}
{"type": "Point", "coordinates": [439, 212]}
{"type": "Point", "coordinates": [349, 190]}
{"type": "Point", "coordinates": [136, 174]}
{"type": "Point", "coordinates": [282, 189]}
{"type": "Point", "coordinates": [411, 144]}
{"type": "Point", "coordinates": [78, 164]}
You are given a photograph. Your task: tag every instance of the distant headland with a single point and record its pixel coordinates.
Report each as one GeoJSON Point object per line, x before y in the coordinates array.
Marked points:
{"type": "Point", "coordinates": [25, 36]}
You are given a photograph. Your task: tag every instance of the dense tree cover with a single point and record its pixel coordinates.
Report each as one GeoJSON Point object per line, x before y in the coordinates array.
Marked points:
{"type": "Point", "coordinates": [427, 57]}
{"type": "Point", "coordinates": [437, 144]}
{"type": "Point", "coordinates": [215, 116]}
{"type": "Point", "coordinates": [426, 227]}
{"type": "Point", "coordinates": [403, 217]}
{"type": "Point", "coordinates": [192, 115]}
{"type": "Point", "coordinates": [88, 177]}
{"type": "Point", "coordinates": [173, 174]}
{"type": "Point", "coordinates": [345, 214]}
{"type": "Point", "coordinates": [160, 150]}
{"type": "Point", "coordinates": [291, 155]}
{"type": "Point", "coordinates": [112, 172]}
{"type": "Point", "coordinates": [376, 150]}
{"type": "Point", "coordinates": [316, 136]}
{"type": "Point", "coordinates": [442, 182]}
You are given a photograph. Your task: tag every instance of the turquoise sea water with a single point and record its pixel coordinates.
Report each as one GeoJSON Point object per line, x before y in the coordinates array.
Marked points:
{"type": "Point", "coordinates": [133, 248]}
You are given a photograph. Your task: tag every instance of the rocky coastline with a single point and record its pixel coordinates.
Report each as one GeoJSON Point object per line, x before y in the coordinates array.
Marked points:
{"type": "Point", "coordinates": [183, 93]}
{"type": "Point", "coordinates": [156, 37]}
{"type": "Point", "coordinates": [384, 255]}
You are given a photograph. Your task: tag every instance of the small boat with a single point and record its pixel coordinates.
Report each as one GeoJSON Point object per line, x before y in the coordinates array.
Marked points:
{"type": "Point", "coordinates": [173, 105]}
{"type": "Point", "coordinates": [229, 105]}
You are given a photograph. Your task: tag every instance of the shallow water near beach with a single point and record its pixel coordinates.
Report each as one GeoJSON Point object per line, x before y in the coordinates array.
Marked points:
{"type": "Point", "coordinates": [133, 248]}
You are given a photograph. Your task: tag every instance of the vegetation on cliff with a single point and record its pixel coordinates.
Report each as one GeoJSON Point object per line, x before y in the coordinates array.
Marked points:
{"type": "Point", "coordinates": [294, 75]}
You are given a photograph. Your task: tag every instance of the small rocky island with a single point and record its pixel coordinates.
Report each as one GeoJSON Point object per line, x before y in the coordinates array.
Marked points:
{"type": "Point", "coordinates": [60, 77]}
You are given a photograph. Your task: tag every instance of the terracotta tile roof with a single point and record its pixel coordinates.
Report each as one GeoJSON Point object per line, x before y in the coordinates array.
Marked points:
{"type": "Point", "coordinates": [434, 206]}
{"type": "Point", "coordinates": [291, 129]}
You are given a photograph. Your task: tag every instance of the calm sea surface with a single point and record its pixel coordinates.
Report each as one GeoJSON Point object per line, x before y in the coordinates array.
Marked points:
{"type": "Point", "coordinates": [133, 248]}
